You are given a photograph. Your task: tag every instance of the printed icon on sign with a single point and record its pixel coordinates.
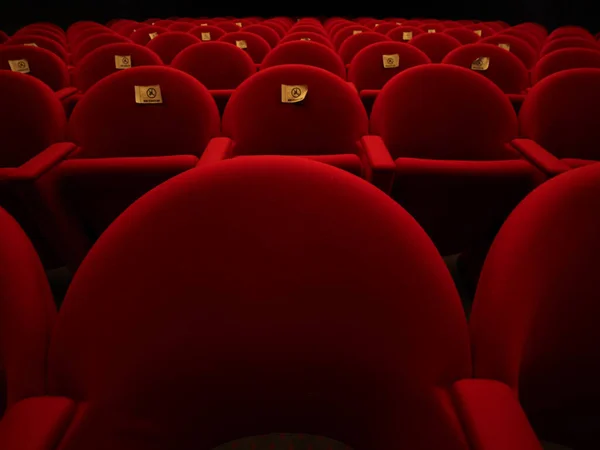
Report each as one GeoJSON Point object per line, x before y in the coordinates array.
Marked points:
{"type": "Point", "coordinates": [151, 92]}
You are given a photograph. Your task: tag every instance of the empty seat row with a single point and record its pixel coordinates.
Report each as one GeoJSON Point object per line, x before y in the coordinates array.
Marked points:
{"type": "Point", "coordinates": [277, 294]}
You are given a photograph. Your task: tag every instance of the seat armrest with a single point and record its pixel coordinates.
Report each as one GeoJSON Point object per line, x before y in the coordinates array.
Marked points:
{"type": "Point", "coordinates": [64, 93]}
{"type": "Point", "coordinates": [39, 164]}
{"type": "Point", "coordinates": [492, 416]}
{"type": "Point", "coordinates": [218, 149]}
{"type": "Point", "coordinates": [380, 165]}
{"type": "Point", "coordinates": [545, 161]}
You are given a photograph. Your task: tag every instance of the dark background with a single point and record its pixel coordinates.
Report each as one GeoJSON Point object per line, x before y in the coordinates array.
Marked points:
{"type": "Point", "coordinates": [551, 13]}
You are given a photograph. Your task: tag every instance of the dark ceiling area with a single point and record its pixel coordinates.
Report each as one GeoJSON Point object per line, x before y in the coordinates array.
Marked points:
{"type": "Point", "coordinates": [551, 13]}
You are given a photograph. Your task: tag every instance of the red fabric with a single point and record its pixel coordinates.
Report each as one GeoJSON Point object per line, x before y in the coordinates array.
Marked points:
{"type": "Point", "coordinates": [384, 28]}
{"type": "Point", "coordinates": [437, 26]}
{"type": "Point", "coordinates": [435, 45]}
{"type": "Point", "coordinates": [355, 43]}
{"type": "Point", "coordinates": [505, 69]}
{"type": "Point", "coordinates": [168, 45]}
{"type": "Point", "coordinates": [519, 47]}
{"type": "Point", "coordinates": [307, 35]}
{"type": "Point", "coordinates": [127, 28]}
{"type": "Point", "coordinates": [108, 123]}
{"type": "Point", "coordinates": [463, 35]}
{"type": "Point", "coordinates": [278, 28]}
{"type": "Point", "coordinates": [94, 42]}
{"type": "Point", "coordinates": [565, 59]}
{"type": "Point", "coordinates": [268, 34]}
{"type": "Point", "coordinates": [165, 23]}
{"type": "Point", "coordinates": [141, 35]}
{"type": "Point", "coordinates": [217, 65]}
{"type": "Point", "coordinates": [182, 26]}
{"type": "Point", "coordinates": [42, 42]}
{"type": "Point", "coordinates": [27, 313]}
{"type": "Point", "coordinates": [100, 63]}
{"type": "Point", "coordinates": [569, 43]}
{"type": "Point", "coordinates": [43, 31]}
{"type": "Point", "coordinates": [493, 417]}
{"type": "Point", "coordinates": [570, 31]}
{"type": "Point", "coordinates": [308, 53]}
{"type": "Point", "coordinates": [43, 64]}
{"type": "Point", "coordinates": [534, 320]}
{"type": "Point", "coordinates": [331, 119]}
{"type": "Point", "coordinates": [546, 162]}
{"type": "Point", "coordinates": [560, 113]}
{"type": "Point", "coordinates": [345, 32]}
{"type": "Point", "coordinates": [534, 41]}
{"type": "Point", "coordinates": [397, 33]}
{"type": "Point", "coordinates": [308, 28]}
{"type": "Point", "coordinates": [3, 37]}
{"type": "Point", "coordinates": [215, 32]}
{"type": "Point", "coordinates": [31, 118]}
{"type": "Point", "coordinates": [257, 47]}
{"type": "Point", "coordinates": [485, 30]}
{"type": "Point", "coordinates": [228, 26]}
{"type": "Point", "coordinates": [262, 288]}
{"type": "Point", "coordinates": [36, 423]}
{"type": "Point", "coordinates": [367, 71]}
{"type": "Point", "coordinates": [82, 35]}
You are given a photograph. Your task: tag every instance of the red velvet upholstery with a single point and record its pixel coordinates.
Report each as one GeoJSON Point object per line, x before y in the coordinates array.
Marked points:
{"type": "Point", "coordinates": [505, 69]}
{"type": "Point", "coordinates": [565, 59]}
{"type": "Point", "coordinates": [485, 30]}
{"type": "Point", "coordinates": [518, 46]}
{"type": "Point", "coordinates": [3, 37]}
{"type": "Point", "coordinates": [32, 126]}
{"type": "Point", "coordinates": [215, 32]}
{"type": "Point", "coordinates": [38, 30]}
{"type": "Point", "coordinates": [307, 36]}
{"type": "Point", "coordinates": [570, 43]}
{"type": "Point", "coordinates": [257, 47]}
{"type": "Point", "coordinates": [463, 35]}
{"type": "Point", "coordinates": [397, 34]}
{"type": "Point", "coordinates": [227, 26]}
{"type": "Point", "coordinates": [94, 42]}
{"type": "Point", "coordinates": [42, 42]}
{"type": "Point", "coordinates": [309, 53]}
{"type": "Point", "coordinates": [435, 45]}
{"type": "Point", "coordinates": [345, 32]}
{"type": "Point", "coordinates": [367, 71]}
{"type": "Point", "coordinates": [277, 27]}
{"type": "Point", "coordinates": [534, 322]}
{"type": "Point", "coordinates": [43, 64]}
{"type": "Point", "coordinates": [448, 130]}
{"type": "Point", "coordinates": [309, 29]}
{"type": "Point", "coordinates": [126, 149]}
{"type": "Point", "coordinates": [570, 31]}
{"type": "Point", "coordinates": [165, 23]}
{"type": "Point", "coordinates": [385, 28]}
{"type": "Point", "coordinates": [355, 43]}
{"type": "Point", "coordinates": [182, 26]}
{"type": "Point", "coordinates": [86, 33]}
{"type": "Point", "coordinates": [168, 45]}
{"type": "Point", "coordinates": [560, 114]}
{"type": "Point", "coordinates": [219, 66]}
{"type": "Point", "coordinates": [26, 316]}
{"type": "Point", "coordinates": [268, 34]}
{"type": "Point", "coordinates": [128, 28]}
{"type": "Point", "coordinates": [438, 27]}
{"type": "Point", "coordinates": [312, 253]}
{"type": "Point", "coordinates": [329, 123]}
{"type": "Point", "coordinates": [100, 63]}
{"type": "Point", "coordinates": [528, 36]}
{"type": "Point", "coordinates": [141, 35]}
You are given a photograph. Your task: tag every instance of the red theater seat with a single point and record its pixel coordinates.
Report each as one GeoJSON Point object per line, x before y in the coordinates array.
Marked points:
{"type": "Point", "coordinates": [384, 27]}
{"type": "Point", "coordinates": [33, 128]}
{"type": "Point", "coordinates": [92, 43]}
{"type": "Point", "coordinates": [233, 263]}
{"type": "Point", "coordinates": [404, 33]}
{"type": "Point", "coordinates": [307, 36]}
{"type": "Point", "coordinates": [27, 314]}
{"type": "Point", "coordinates": [228, 27]}
{"type": "Point", "coordinates": [308, 29]}
{"type": "Point", "coordinates": [214, 33]}
{"type": "Point", "coordinates": [481, 30]}
{"type": "Point", "coordinates": [448, 132]}
{"type": "Point", "coordinates": [256, 47]}
{"type": "Point", "coordinates": [570, 31]}
{"type": "Point", "coordinates": [534, 321]}
{"type": "Point", "coordinates": [432, 27]}
{"type": "Point", "coordinates": [558, 118]}
{"type": "Point", "coordinates": [3, 37]}
{"type": "Point", "coordinates": [40, 41]}
{"type": "Point", "coordinates": [570, 43]}
{"type": "Point", "coordinates": [219, 66]}
{"type": "Point", "coordinates": [503, 68]}
{"type": "Point", "coordinates": [182, 26]}
{"type": "Point", "coordinates": [268, 34]}
{"type": "Point", "coordinates": [355, 43]}
{"type": "Point", "coordinates": [168, 45]}
{"type": "Point", "coordinates": [143, 35]}
{"type": "Point", "coordinates": [435, 45]}
{"type": "Point", "coordinates": [565, 59]}
{"type": "Point", "coordinates": [369, 71]}
{"type": "Point", "coordinates": [463, 35]}
{"type": "Point", "coordinates": [327, 126]}
{"type": "Point", "coordinates": [102, 62]}
{"type": "Point", "coordinates": [345, 32]}
{"type": "Point", "coordinates": [308, 53]}
{"type": "Point", "coordinates": [126, 148]}
{"type": "Point", "coordinates": [40, 30]}
{"type": "Point", "coordinates": [513, 44]}
{"type": "Point", "coordinates": [39, 63]}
